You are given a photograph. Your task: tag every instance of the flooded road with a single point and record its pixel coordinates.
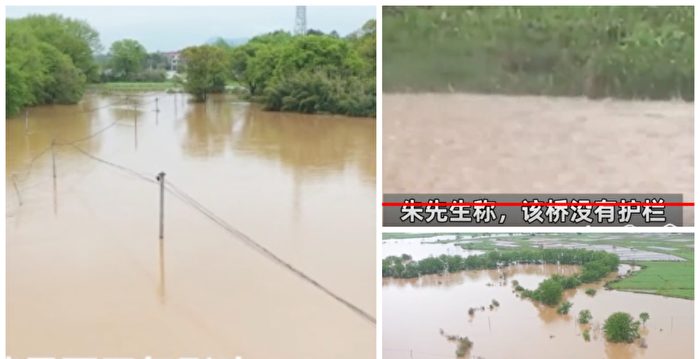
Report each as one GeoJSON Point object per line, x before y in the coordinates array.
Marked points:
{"type": "Point", "coordinates": [415, 310]}
{"type": "Point", "coordinates": [509, 144]}
{"type": "Point", "coordinates": [87, 275]}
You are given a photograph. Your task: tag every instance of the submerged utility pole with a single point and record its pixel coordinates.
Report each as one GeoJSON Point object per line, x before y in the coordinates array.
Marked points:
{"type": "Point", "coordinates": [14, 182]}
{"type": "Point", "coordinates": [157, 110]}
{"type": "Point", "coordinates": [136, 127]}
{"type": "Point", "coordinates": [55, 189]}
{"type": "Point", "coordinates": [53, 158]}
{"type": "Point", "coordinates": [161, 180]}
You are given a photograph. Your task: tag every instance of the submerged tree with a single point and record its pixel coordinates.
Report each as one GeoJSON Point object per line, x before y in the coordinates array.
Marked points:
{"type": "Point", "coordinates": [564, 307]}
{"type": "Point", "coordinates": [205, 69]}
{"type": "Point", "coordinates": [644, 316]}
{"type": "Point", "coordinates": [620, 327]}
{"type": "Point", "coordinates": [128, 57]}
{"type": "Point", "coordinates": [584, 316]}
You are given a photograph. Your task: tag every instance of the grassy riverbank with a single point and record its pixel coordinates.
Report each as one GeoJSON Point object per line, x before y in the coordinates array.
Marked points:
{"type": "Point", "coordinates": [109, 87]}
{"type": "Point", "coordinates": [606, 51]}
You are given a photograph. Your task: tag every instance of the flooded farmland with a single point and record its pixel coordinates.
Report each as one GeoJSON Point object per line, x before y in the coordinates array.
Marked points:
{"type": "Point", "coordinates": [87, 275]}
{"type": "Point", "coordinates": [531, 144]}
{"type": "Point", "coordinates": [419, 313]}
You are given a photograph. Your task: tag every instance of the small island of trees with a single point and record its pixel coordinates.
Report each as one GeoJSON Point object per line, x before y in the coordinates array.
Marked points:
{"type": "Point", "coordinates": [595, 265]}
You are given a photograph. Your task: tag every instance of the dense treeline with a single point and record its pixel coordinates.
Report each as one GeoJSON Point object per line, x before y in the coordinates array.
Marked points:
{"type": "Point", "coordinates": [594, 51]}
{"type": "Point", "coordinates": [49, 59]}
{"type": "Point", "coordinates": [594, 262]}
{"type": "Point", "coordinates": [128, 60]}
{"type": "Point", "coordinates": [550, 290]}
{"type": "Point", "coordinates": [595, 266]}
{"type": "Point", "coordinates": [312, 73]}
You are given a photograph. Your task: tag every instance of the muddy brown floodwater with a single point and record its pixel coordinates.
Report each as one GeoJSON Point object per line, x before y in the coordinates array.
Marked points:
{"type": "Point", "coordinates": [459, 143]}
{"type": "Point", "coordinates": [415, 310]}
{"type": "Point", "coordinates": [87, 276]}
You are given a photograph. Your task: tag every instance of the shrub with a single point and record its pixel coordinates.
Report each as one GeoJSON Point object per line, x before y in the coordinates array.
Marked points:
{"type": "Point", "coordinates": [463, 346]}
{"type": "Point", "coordinates": [620, 327]}
{"type": "Point", "coordinates": [564, 307]}
{"type": "Point", "coordinates": [584, 316]}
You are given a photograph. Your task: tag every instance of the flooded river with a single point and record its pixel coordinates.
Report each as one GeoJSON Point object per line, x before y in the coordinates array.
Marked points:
{"type": "Point", "coordinates": [87, 275]}
{"type": "Point", "coordinates": [529, 144]}
{"type": "Point", "coordinates": [418, 313]}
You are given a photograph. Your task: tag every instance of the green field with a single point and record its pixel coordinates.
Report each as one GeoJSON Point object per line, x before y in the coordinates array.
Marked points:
{"type": "Point", "coordinates": [134, 86]}
{"type": "Point", "coordinates": [672, 279]}
{"type": "Point", "coordinates": [594, 51]}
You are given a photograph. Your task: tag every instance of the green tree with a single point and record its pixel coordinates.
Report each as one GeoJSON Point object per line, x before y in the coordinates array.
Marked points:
{"type": "Point", "coordinates": [75, 38]}
{"type": "Point", "coordinates": [254, 63]}
{"type": "Point", "coordinates": [48, 60]}
{"type": "Point", "coordinates": [312, 73]}
{"type": "Point", "coordinates": [157, 61]}
{"type": "Point", "coordinates": [205, 69]}
{"type": "Point", "coordinates": [549, 292]}
{"type": "Point", "coordinates": [128, 57]}
{"type": "Point", "coordinates": [66, 83]}
{"type": "Point", "coordinates": [564, 307]}
{"type": "Point", "coordinates": [25, 71]}
{"type": "Point", "coordinates": [644, 316]}
{"type": "Point", "coordinates": [621, 327]}
{"type": "Point", "coordinates": [584, 316]}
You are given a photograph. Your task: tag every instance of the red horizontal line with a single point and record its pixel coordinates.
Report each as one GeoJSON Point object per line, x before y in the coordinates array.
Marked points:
{"type": "Point", "coordinates": [538, 204]}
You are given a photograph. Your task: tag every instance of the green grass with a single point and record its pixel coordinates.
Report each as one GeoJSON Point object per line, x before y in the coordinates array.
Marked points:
{"type": "Point", "coordinates": [672, 279]}
{"type": "Point", "coordinates": [594, 51]}
{"type": "Point", "coordinates": [134, 86]}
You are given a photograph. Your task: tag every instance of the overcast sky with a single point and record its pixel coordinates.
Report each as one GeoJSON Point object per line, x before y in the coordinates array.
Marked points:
{"type": "Point", "coordinates": [176, 27]}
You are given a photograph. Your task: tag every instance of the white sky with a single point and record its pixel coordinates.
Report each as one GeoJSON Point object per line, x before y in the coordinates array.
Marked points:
{"type": "Point", "coordinates": [175, 27]}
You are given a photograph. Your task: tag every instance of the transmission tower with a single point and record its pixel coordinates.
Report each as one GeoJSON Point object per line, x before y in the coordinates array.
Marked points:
{"type": "Point", "coordinates": [300, 21]}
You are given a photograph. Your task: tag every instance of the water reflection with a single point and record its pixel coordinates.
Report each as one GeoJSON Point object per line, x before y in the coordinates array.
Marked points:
{"type": "Point", "coordinates": [161, 270]}
{"type": "Point", "coordinates": [328, 144]}
{"type": "Point", "coordinates": [208, 132]}
{"type": "Point", "coordinates": [112, 283]}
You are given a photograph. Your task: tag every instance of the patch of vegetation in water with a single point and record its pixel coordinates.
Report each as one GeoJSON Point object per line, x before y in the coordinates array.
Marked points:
{"type": "Point", "coordinates": [587, 335]}
{"type": "Point", "coordinates": [584, 316]}
{"type": "Point", "coordinates": [621, 327]}
{"type": "Point", "coordinates": [595, 265]}
{"type": "Point", "coordinates": [564, 307]}
{"type": "Point", "coordinates": [464, 345]}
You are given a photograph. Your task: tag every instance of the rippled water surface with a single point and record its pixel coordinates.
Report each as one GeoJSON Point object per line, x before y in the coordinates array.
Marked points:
{"type": "Point", "coordinates": [87, 275]}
